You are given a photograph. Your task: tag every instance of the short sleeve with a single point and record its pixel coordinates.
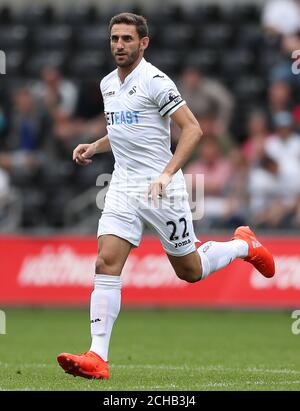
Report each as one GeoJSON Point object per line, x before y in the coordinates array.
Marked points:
{"type": "Point", "coordinates": [165, 95]}
{"type": "Point", "coordinates": [101, 87]}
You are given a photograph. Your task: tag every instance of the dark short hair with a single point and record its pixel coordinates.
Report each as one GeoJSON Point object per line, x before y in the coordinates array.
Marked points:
{"type": "Point", "coordinates": [133, 20]}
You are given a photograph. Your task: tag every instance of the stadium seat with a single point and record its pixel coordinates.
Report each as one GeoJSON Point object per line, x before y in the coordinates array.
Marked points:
{"type": "Point", "coordinates": [13, 37]}
{"type": "Point", "coordinates": [172, 13]}
{"type": "Point", "coordinates": [12, 83]}
{"type": "Point", "coordinates": [6, 16]}
{"type": "Point", "coordinates": [53, 37]}
{"type": "Point", "coordinates": [250, 36]}
{"type": "Point", "coordinates": [237, 62]}
{"type": "Point", "coordinates": [14, 63]}
{"type": "Point", "coordinates": [80, 14]}
{"type": "Point", "coordinates": [87, 64]}
{"type": "Point", "coordinates": [169, 61]}
{"type": "Point", "coordinates": [37, 14]}
{"type": "Point", "coordinates": [242, 14]}
{"type": "Point", "coordinates": [92, 37]}
{"type": "Point", "coordinates": [248, 88]}
{"type": "Point", "coordinates": [89, 103]}
{"type": "Point", "coordinates": [155, 36]}
{"type": "Point", "coordinates": [216, 36]}
{"type": "Point", "coordinates": [203, 13]}
{"type": "Point", "coordinates": [205, 60]}
{"type": "Point", "coordinates": [181, 37]}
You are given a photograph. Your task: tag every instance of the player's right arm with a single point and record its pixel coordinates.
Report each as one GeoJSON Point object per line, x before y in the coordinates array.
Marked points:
{"type": "Point", "coordinates": [84, 152]}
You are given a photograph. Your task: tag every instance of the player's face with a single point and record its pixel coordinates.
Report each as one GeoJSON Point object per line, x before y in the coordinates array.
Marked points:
{"type": "Point", "coordinates": [126, 46]}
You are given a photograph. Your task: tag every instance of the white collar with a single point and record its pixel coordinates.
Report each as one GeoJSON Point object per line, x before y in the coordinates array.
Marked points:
{"type": "Point", "coordinates": [133, 73]}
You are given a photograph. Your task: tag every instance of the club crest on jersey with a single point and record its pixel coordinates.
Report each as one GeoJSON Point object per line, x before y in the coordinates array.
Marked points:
{"type": "Point", "coordinates": [172, 95]}
{"type": "Point", "coordinates": [121, 117]}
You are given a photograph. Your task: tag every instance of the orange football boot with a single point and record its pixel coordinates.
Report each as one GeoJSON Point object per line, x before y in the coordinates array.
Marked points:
{"type": "Point", "coordinates": [258, 255]}
{"type": "Point", "coordinates": [87, 365]}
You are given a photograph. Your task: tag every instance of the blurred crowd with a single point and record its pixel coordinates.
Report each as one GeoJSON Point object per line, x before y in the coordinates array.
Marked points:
{"type": "Point", "coordinates": [47, 119]}
{"type": "Point", "coordinates": [251, 162]}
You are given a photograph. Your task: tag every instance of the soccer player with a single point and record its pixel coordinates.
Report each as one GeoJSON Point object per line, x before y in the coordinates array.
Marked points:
{"type": "Point", "coordinates": [139, 101]}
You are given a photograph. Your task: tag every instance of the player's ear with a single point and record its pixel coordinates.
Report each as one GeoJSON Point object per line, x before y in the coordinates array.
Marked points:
{"type": "Point", "coordinates": [144, 43]}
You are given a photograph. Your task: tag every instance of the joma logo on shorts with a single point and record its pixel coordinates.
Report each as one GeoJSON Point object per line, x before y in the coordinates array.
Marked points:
{"type": "Point", "coordinates": [185, 242]}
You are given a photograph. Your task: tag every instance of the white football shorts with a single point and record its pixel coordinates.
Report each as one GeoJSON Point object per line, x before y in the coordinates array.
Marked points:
{"type": "Point", "coordinates": [126, 214]}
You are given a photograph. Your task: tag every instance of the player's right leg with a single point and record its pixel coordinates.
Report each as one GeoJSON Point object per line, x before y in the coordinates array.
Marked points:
{"type": "Point", "coordinates": [104, 309]}
{"type": "Point", "coordinates": [119, 230]}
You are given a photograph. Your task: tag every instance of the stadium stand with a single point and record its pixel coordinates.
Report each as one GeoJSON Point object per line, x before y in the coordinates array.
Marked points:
{"type": "Point", "coordinates": [227, 44]}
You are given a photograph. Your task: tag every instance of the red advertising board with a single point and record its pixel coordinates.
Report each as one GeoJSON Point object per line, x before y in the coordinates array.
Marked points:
{"type": "Point", "coordinates": [59, 271]}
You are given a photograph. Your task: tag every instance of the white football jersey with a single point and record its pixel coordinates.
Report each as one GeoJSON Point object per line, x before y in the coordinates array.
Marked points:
{"type": "Point", "coordinates": [137, 113]}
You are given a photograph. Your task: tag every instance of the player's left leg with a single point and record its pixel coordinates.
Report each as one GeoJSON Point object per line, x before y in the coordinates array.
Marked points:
{"type": "Point", "coordinates": [172, 220]}
{"type": "Point", "coordinates": [212, 256]}
{"type": "Point", "coordinates": [208, 258]}
{"type": "Point", "coordinates": [175, 228]}
{"type": "Point", "coordinates": [187, 267]}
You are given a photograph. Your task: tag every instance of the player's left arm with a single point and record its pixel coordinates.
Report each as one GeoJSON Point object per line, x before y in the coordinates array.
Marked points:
{"type": "Point", "coordinates": [189, 138]}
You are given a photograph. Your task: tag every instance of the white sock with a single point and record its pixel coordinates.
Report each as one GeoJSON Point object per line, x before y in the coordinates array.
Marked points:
{"type": "Point", "coordinates": [105, 307]}
{"type": "Point", "coordinates": [216, 255]}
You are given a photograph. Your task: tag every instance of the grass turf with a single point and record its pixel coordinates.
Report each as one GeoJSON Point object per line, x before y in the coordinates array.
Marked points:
{"type": "Point", "coordinates": [155, 350]}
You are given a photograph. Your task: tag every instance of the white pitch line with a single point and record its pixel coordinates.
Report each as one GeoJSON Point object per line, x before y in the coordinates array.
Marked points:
{"type": "Point", "coordinates": [218, 367]}
{"type": "Point", "coordinates": [273, 371]}
{"type": "Point", "coordinates": [18, 389]}
{"type": "Point", "coordinates": [173, 386]}
{"type": "Point", "coordinates": [232, 384]}
{"type": "Point", "coordinates": [217, 385]}
{"type": "Point", "coordinates": [8, 365]}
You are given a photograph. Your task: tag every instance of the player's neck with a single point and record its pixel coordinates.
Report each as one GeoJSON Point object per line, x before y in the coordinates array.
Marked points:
{"type": "Point", "coordinates": [123, 72]}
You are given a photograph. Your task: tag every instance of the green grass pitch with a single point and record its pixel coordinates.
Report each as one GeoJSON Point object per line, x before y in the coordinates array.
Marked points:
{"type": "Point", "coordinates": [155, 350]}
